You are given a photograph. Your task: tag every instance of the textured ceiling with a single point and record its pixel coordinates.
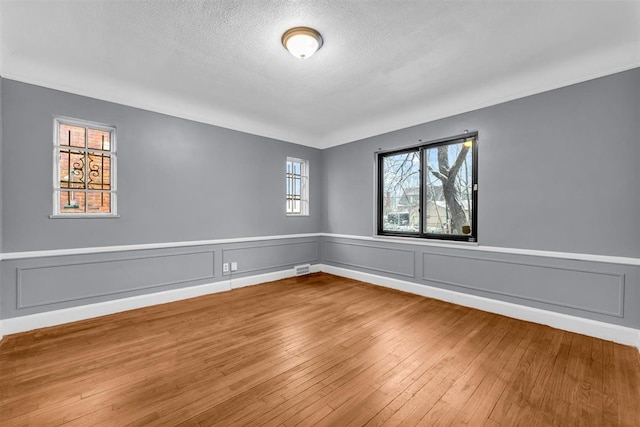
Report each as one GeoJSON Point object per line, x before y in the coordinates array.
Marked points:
{"type": "Point", "coordinates": [384, 65]}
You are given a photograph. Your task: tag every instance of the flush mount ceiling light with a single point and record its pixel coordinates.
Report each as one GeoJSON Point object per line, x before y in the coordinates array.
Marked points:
{"type": "Point", "coordinates": [302, 42]}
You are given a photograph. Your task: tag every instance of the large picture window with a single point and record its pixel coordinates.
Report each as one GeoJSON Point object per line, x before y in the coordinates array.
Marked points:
{"type": "Point", "coordinates": [84, 157]}
{"type": "Point", "coordinates": [431, 190]}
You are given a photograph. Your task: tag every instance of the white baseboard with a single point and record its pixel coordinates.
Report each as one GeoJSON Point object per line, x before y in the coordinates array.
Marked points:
{"type": "Point", "coordinates": [58, 317]}
{"type": "Point", "coordinates": [593, 328]}
{"type": "Point", "coordinates": [606, 331]}
{"type": "Point", "coordinates": [267, 277]}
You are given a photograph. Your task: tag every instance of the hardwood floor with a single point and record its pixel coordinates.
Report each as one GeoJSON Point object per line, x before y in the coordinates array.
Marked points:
{"type": "Point", "coordinates": [319, 349]}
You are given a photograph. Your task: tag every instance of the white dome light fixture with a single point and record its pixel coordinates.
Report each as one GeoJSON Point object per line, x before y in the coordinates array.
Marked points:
{"type": "Point", "coordinates": [302, 42]}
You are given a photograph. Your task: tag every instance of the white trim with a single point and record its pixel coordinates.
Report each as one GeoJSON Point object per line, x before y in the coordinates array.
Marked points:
{"type": "Point", "coordinates": [428, 115]}
{"type": "Point", "coordinates": [606, 331]}
{"type": "Point", "coordinates": [159, 103]}
{"type": "Point", "coordinates": [380, 239]}
{"type": "Point", "coordinates": [304, 187]}
{"type": "Point", "coordinates": [29, 322]}
{"type": "Point", "coordinates": [57, 317]}
{"type": "Point", "coordinates": [145, 246]}
{"type": "Point", "coordinates": [510, 251]}
{"type": "Point", "coordinates": [241, 282]}
{"type": "Point", "coordinates": [83, 216]}
{"type": "Point", "coordinates": [593, 328]}
{"type": "Point", "coordinates": [57, 190]}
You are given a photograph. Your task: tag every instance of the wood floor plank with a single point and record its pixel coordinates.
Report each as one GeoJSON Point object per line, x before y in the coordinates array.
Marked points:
{"type": "Point", "coordinates": [317, 349]}
{"type": "Point", "coordinates": [426, 391]}
{"type": "Point", "coordinates": [348, 357]}
{"type": "Point", "coordinates": [499, 371]}
{"type": "Point", "coordinates": [457, 398]}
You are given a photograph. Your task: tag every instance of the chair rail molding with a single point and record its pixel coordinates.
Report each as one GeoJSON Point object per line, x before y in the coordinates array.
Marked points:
{"type": "Point", "coordinates": [576, 256]}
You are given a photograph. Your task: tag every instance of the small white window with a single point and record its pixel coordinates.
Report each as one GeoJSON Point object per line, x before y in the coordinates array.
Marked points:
{"type": "Point", "coordinates": [84, 169]}
{"type": "Point", "coordinates": [297, 196]}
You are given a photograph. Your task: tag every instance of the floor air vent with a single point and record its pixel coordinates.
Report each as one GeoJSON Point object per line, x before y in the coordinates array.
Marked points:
{"type": "Point", "coordinates": [301, 270]}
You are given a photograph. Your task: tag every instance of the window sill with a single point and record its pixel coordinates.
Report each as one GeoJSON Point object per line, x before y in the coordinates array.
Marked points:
{"type": "Point", "coordinates": [295, 215]}
{"type": "Point", "coordinates": [79, 216]}
{"type": "Point", "coordinates": [425, 242]}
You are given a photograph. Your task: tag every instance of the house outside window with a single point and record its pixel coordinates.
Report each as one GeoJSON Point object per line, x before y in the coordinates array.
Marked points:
{"type": "Point", "coordinates": [430, 191]}
{"type": "Point", "coordinates": [297, 187]}
{"type": "Point", "coordinates": [84, 165]}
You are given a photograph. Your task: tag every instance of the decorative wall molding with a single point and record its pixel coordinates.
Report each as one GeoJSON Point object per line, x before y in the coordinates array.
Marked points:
{"type": "Point", "coordinates": [374, 268]}
{"type": "Point", "coordinates": [242, 282]}
{"type": "Point", "coordinates": [29, 322]}
{"type": "Point", "coordinates": [479, 248]}
{"type": "Point", "coordinates": [209, 264]}
{"type": "Point", "coordinates": [379, 239]}
{"type": "Point", "coordinates": [606, 331]}
{"type": "Point", "coordinates": [163, 105]}
{"type": "Point", "coordinates": [580, 325]}
{"type": "Point", "coordinates": [282, 261]}
{"type": "Point", "coordinates": [619, 279]}
{"type": "Point", "coordinates": [146, 246]}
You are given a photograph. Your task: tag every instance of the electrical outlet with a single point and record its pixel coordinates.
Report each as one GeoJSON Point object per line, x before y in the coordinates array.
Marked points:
{"type": "Point", "coordinates": [234, 266]}
{"type": "Point", "coordinates": [225, 267]}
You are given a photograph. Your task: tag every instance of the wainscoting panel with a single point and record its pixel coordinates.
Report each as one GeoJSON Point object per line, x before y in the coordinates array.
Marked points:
{"type": "Point", "coordinates": [604, 290]}
{"type": "Point", "coordinates": [582, 289]}
{"type": "Point", "coordinates": [48, 281]}
{"type": "Point", "coordinates": [263, 257]}
{"type": "Point", "coordinates": [370, 257]}
{"type": "Point", "coordinates": [50, 284]}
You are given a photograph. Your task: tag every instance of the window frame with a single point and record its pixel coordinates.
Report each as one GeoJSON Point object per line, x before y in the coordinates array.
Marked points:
{"type": "Point", "coordinates": [58, 190]}
{"type": "Point", "coordinates": [304, 187]}
{"type": "Point", "coordinates": [421, 150]}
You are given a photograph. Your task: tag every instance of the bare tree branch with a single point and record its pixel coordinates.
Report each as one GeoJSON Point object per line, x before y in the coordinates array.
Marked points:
{"type": "Point", "coordinates": [459, 161]}
{"type": "Point", "coordinates": [443, 160]}
{"type": "Point", "coordinates": [438, 175]}
{"type": "Point", "coordinates": [458, 217]}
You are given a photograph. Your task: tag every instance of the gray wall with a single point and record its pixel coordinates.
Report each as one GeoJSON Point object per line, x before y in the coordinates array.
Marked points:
{"type": "Point", "coordinates": [1, 221]}
{"type": "Point", "coordinates": [1, 169]}
{"type": "Point", "coordinates": [178, 180]}
{"type": "Point", "coordinates": [558, 171]}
